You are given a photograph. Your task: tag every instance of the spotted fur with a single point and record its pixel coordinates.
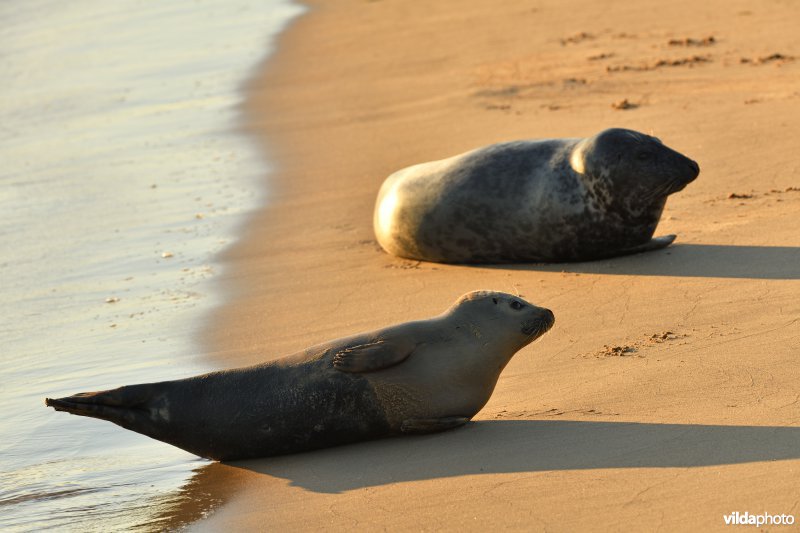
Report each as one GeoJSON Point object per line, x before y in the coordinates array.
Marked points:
{"type": "Point", "coordinates": [533, 201]}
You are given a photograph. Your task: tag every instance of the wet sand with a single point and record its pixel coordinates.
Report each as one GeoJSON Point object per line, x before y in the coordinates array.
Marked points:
{"type": "Point", "coordinates": [668, 393]}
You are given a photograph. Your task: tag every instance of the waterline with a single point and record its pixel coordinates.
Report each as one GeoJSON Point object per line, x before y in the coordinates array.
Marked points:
{"type": "Point", "coordinates": [123, 175]}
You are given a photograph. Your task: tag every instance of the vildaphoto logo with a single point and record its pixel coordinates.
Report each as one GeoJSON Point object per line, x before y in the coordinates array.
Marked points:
{"type": "Point", "coordinates": [764, 519]}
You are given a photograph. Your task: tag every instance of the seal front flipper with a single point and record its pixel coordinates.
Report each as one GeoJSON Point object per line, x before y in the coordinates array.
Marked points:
{"type": "Point", "coordinates": [372, 356]}
{"type": "Point", "coordinates": [432, 425]}
{"type": "Point", "coordinates": [656, 243]}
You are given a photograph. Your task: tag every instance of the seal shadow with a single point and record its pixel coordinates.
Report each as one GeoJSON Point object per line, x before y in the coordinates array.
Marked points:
{"type": "Point", "coordinates": [689, 260]}
{"type": "Point", "coordinates": [508, 446]}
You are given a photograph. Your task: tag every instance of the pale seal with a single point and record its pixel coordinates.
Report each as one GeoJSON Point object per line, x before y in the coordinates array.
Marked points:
{"type": "Point", "coordinates": [415, 377]}
{"type": "Point", "coordinates": [552, 200]}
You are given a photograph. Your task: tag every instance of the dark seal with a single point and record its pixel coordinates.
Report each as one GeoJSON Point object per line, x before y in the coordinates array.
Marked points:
{"type": "Point", "coordinates": [416, 377]}
{"type": "Point", "coordinates": [553, 200]}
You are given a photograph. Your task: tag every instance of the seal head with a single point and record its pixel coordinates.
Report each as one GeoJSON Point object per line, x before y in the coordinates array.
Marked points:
{"type": "Point", "coordinates": [630, 171]}
{"type": "Point", "coordinates": [512, 318]}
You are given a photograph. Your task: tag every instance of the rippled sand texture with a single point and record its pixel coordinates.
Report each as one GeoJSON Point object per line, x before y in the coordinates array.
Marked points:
{"type": "Point", "coordinates": [123, 174]}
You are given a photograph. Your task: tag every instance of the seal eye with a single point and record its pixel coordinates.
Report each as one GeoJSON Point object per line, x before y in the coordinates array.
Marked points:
{"type": "Point", "coordinates": [516, 305]}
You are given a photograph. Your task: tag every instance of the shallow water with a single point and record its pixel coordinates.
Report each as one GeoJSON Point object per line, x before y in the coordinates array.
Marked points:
{"type": "Point", "coordinates": [122, 175]}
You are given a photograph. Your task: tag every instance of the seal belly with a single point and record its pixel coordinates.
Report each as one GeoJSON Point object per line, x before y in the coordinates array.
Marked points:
{"type": "Point", "coordinates": [252, 412]}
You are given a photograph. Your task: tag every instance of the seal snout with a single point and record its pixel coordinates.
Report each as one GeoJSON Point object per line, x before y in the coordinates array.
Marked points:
{"type": "Point", "coordinates": [548, 320]}
{"type": "Point", "coordinates": [692, 171]}
{"type": "Point", "coordinates": [549, 317]}
{"type": "Point", "coordinates": [695, 168]}
{"type": "Point", "coordinates": [540, 324]}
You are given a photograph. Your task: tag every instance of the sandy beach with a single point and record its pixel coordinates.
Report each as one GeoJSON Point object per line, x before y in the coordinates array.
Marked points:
{"type": "Point", "coordinates": [668, 393]}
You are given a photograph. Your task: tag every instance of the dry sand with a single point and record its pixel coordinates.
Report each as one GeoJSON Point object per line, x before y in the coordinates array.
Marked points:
{"type": "Point", "coordinates": [668, 393]}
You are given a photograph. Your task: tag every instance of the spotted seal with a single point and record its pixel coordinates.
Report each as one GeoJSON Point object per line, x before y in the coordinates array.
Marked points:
{"type": "Point", "coordinates": [416, 377]}
{"type": "Point", "coordinates": [554, 200]}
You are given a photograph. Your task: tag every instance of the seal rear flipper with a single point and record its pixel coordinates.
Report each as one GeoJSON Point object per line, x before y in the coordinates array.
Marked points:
{"type": "Point", "coordinates": [118, 405]}
{"type": "Point", "coordinates": [372, 356]}
{"type": "Point", "coordinates": [432, 425]}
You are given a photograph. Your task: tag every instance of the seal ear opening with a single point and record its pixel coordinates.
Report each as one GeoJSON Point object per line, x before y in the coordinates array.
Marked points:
{"type": "Point", "coordinates": [494, 300]}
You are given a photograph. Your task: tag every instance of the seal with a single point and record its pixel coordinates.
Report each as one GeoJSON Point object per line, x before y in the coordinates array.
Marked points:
{"type": "Point", "coordinates": [553, 200]}
{"type": "Point", "coordinates": [415, 377]}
